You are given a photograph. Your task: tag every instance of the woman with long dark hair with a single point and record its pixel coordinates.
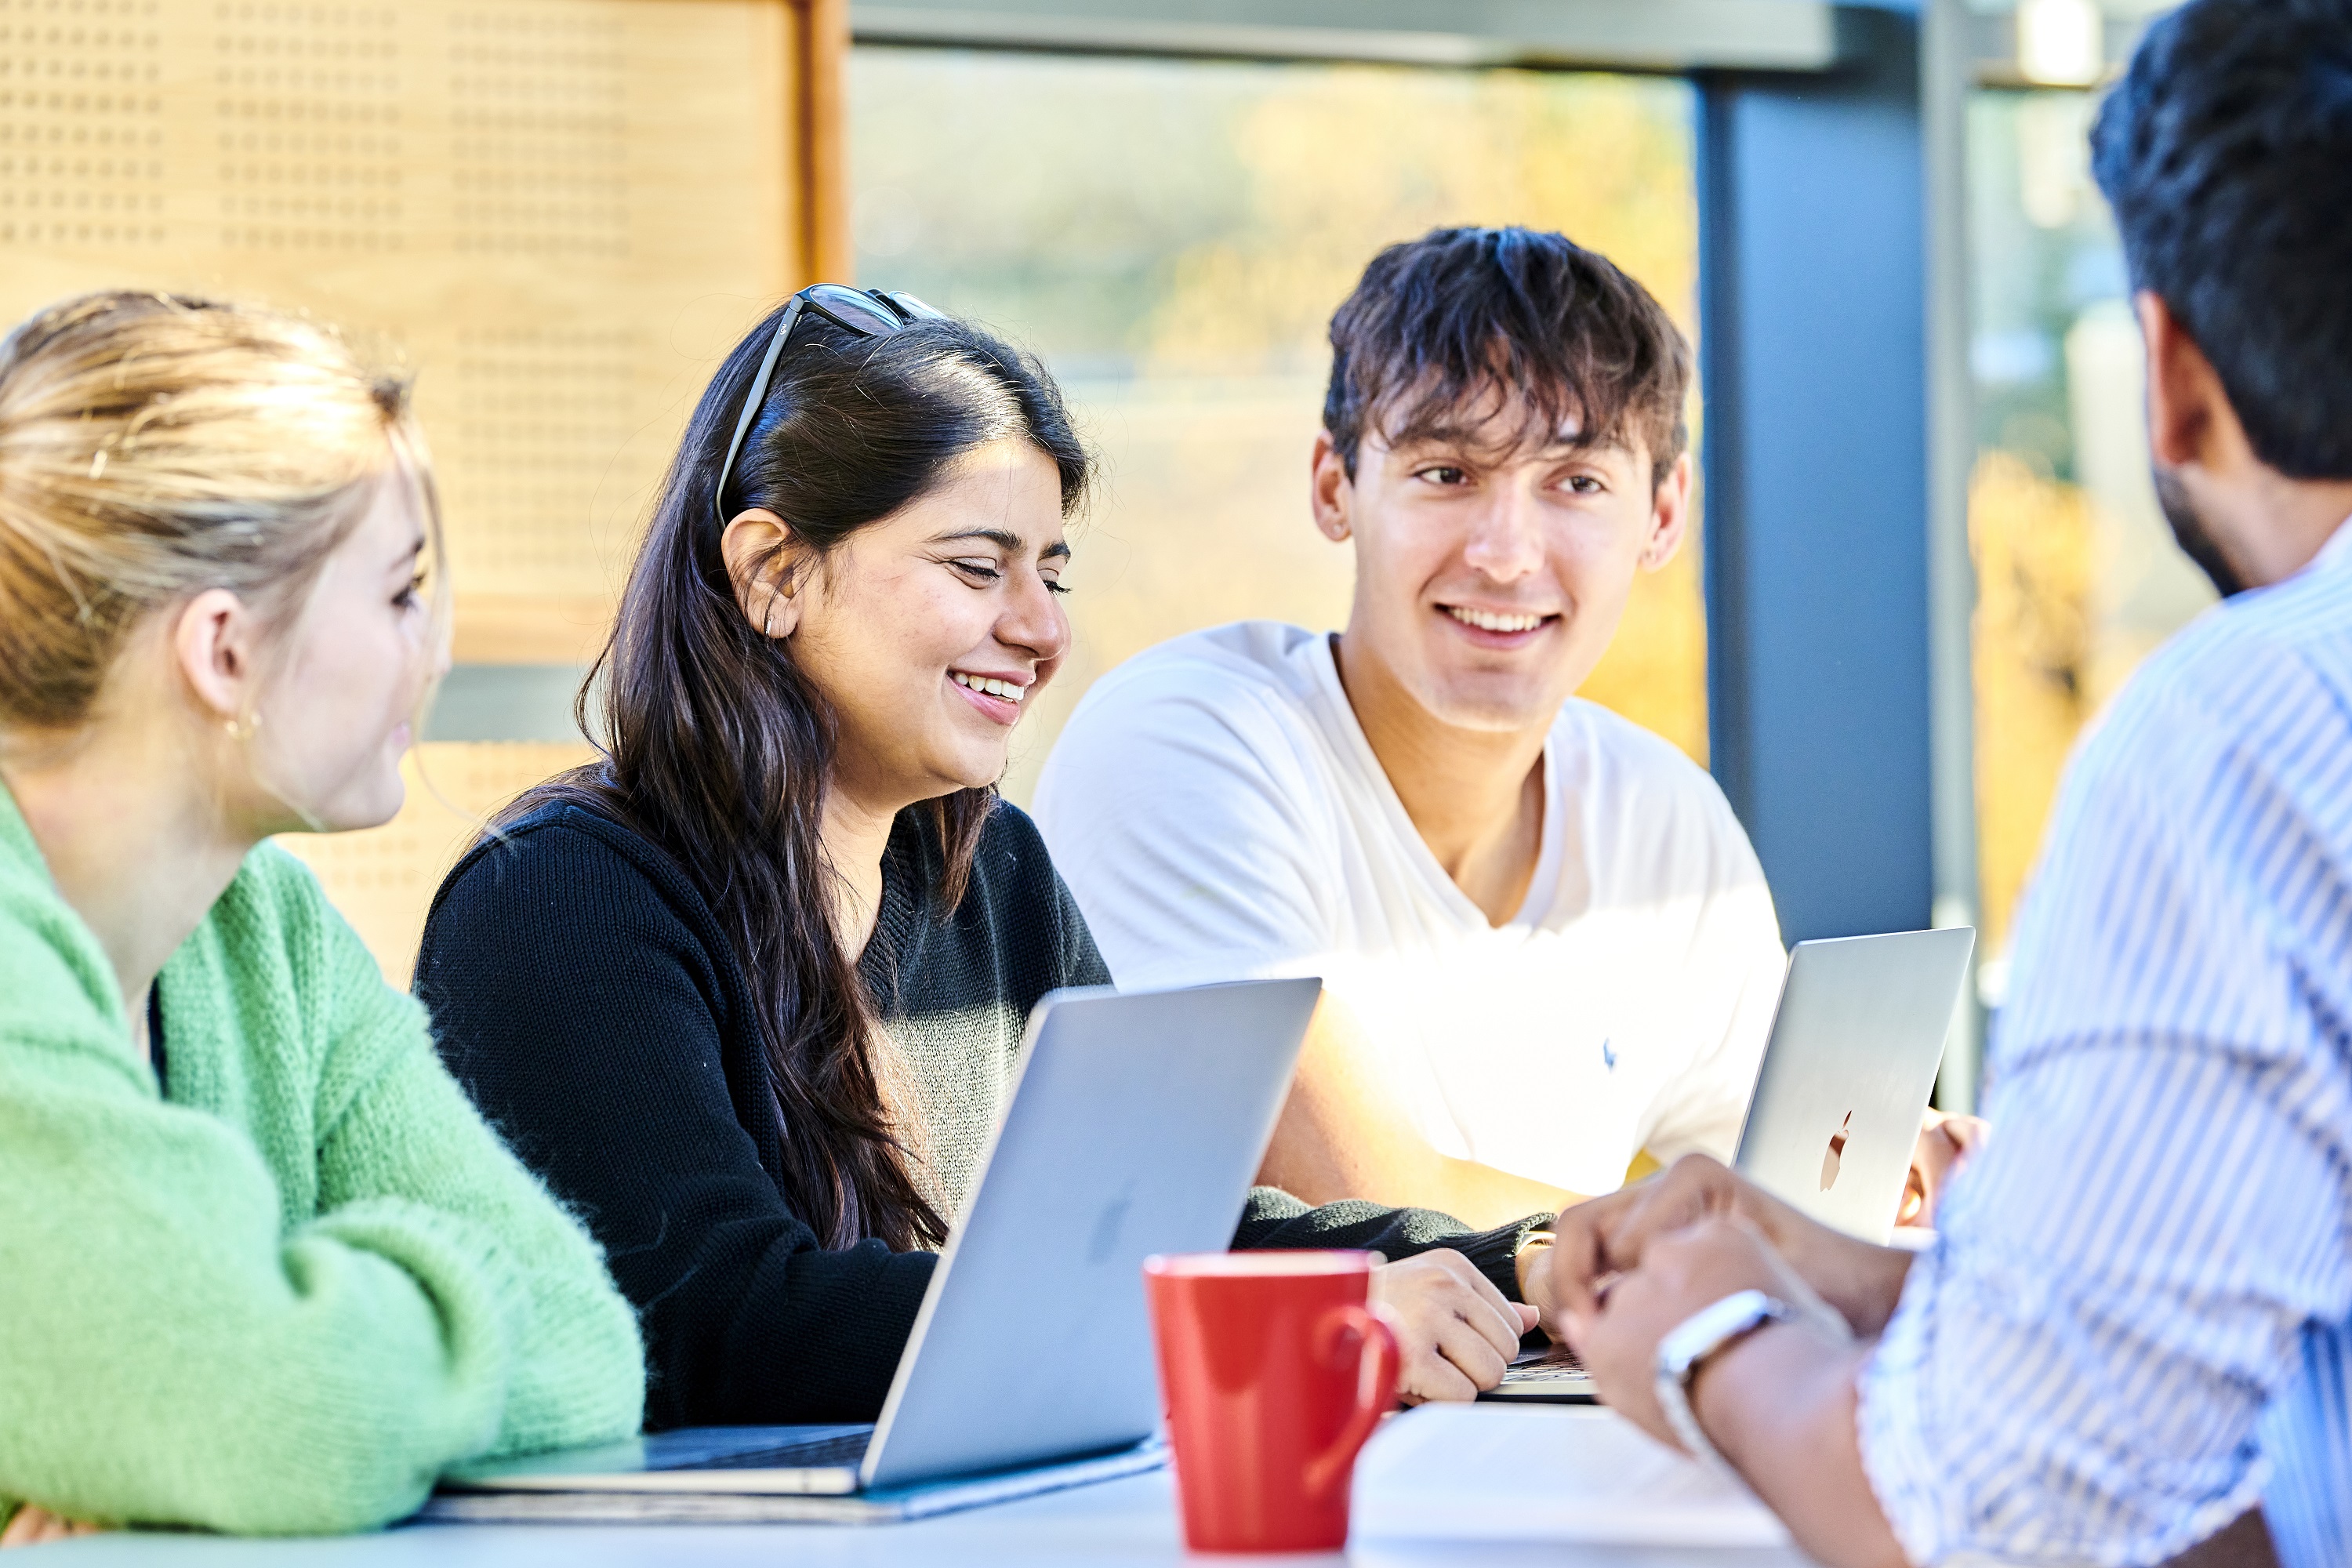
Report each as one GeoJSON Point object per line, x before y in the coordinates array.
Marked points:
{"type": "Point", "coordinates": [749, 990]}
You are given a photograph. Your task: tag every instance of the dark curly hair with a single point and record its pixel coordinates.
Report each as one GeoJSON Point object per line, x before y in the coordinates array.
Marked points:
{"type": "Point", "coordinates": [2226, 151]}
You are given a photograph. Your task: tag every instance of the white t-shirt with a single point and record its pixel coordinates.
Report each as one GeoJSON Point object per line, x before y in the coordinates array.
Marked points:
{"type": "Point", "coordinates": [1218, 813]}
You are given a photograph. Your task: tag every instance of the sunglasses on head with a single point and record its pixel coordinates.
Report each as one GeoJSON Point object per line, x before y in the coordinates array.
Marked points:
{"type": "Point", "coordinates": [868, 312]}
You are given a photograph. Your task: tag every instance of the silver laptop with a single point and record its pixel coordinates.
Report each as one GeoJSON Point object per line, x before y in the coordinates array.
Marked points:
{"type": "Point", "coordinates": [1854, 1046]}
{"type": "Point", "coordinates": [1135, 1125]}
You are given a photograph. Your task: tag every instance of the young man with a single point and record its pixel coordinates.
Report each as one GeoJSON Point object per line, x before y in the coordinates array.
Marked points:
{"type": "Point", "coordinates": [2136, 1322]}
{"type": "Point", "coordinates": [1546, 944]}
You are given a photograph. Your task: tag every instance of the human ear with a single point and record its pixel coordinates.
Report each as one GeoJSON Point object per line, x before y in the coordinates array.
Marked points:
{"type": "Point", "coordinates": [215, 642]}
{"type": "Point", "coordinates": [760, 551]}
{"type": "Point", "coordinates": [2182, 387]}
{"type": "Point", "coordinates": [1331, 490]}
{"type": "Point", "coordinates": [1670, 507]}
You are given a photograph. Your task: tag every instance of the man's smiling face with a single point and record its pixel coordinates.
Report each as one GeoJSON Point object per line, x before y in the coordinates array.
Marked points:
{"type": "Point", "coordinates": [1490, 573]}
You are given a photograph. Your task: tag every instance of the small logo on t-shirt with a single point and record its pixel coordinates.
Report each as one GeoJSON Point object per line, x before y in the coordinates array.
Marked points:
{"type": "Point", "coordinates": [1608, 1056]}
{"type": "Point", "coordinates": [1836, 1156]}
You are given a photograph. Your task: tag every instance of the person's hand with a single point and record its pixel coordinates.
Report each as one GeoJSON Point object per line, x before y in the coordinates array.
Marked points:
{"type": "Point", "coordinates": [1946, 1143]}
{"type": "Point", "coordinates": [33, 1526]}
{"type": "Point", "coordinates": [1681, 1272]}
{"type": "Point", "coordinates": [1533, 1265]}
{"type": "Point", "coordinates": [1456, 1331]}
{"type": "Point", "coordinates": [1602, 1238]}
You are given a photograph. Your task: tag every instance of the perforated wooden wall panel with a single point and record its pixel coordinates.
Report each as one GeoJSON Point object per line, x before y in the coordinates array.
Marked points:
{"type": "Point", "coordinates": [555, 212]}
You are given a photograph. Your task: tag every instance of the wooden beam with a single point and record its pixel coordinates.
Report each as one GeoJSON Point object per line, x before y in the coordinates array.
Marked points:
{"type": "Point", "coordinates": [827, 254]}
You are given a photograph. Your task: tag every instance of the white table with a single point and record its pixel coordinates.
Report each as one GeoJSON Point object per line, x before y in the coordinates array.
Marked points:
{"type": "Point", "coordinates": [1113, 1525]}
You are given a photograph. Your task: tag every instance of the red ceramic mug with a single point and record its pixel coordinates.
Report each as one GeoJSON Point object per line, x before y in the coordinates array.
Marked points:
{"type": "Point", "coordinates": [1275, 1369]}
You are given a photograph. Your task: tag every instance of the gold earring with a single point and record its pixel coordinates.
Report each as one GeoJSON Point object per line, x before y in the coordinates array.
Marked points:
{"type": "Point", "coordinates": [241, 730]}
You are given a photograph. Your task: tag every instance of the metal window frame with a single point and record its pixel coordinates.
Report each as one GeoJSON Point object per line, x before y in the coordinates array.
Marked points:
{"type": "Point", "coordinates": [1655, 36]}
{"type": "Point", "coordinates": [1833, 301]}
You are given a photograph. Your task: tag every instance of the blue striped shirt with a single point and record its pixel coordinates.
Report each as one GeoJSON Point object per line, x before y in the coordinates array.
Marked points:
{"type": "Point", "coordinates": [2133, 1323]}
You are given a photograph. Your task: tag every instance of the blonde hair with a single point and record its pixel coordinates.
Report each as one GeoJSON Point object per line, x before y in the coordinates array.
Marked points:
{"type": "Point", "coordinates": [152, 447]}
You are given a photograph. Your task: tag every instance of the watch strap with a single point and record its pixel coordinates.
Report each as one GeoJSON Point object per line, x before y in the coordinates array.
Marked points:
{"type": "Point", "coordinates": [1688, 1346]}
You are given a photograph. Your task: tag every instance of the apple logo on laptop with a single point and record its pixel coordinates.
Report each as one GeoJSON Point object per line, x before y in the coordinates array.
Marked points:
{"type": "Point", "coordinates": [1837, 1153]}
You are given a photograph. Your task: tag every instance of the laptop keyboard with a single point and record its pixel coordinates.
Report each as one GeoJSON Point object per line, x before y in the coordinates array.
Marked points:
{"type": "Point", "coordinates": [846, 1448]}
{"type": "Point", "coordinates": [1557, 1364]}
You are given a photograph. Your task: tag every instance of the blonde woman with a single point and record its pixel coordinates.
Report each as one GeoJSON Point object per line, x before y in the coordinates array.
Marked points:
{"type": "Point", "coordinates": [262, 1266]}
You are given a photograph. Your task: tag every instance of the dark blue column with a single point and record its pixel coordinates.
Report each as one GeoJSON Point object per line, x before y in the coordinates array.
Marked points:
{"type": "Point", "coordinates": [1813, 278]}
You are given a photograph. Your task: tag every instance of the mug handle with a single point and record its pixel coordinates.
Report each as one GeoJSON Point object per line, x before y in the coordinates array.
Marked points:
{"type": "Point", "coordinates": [1377, 1364]}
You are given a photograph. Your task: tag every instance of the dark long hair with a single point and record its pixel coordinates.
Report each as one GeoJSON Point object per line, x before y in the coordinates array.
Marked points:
{"type": "Point", "coordinates": [720, 749]}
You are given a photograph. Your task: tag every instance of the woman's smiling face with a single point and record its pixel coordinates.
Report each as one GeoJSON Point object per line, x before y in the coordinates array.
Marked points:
{"type": "Point", "coordinates": [930, 631]}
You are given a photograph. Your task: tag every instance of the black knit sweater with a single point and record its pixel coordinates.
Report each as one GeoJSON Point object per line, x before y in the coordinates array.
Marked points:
{"type": "Point", "coordinates": [587, 998]}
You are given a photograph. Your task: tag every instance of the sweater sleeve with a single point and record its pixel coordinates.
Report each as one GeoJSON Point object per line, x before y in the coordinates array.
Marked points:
{"type": "Point", "coordinates": [185, 1346]}
{"type": "Point", "coordinates": [584, 1014]}
{"type": "Point", "coordinates": [1078, 961]}
{"type": "Point", "coordinates": [1274, 1220]}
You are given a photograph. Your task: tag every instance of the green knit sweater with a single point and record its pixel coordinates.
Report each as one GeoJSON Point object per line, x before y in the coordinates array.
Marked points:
{"type": "Point", "coordinates": [282, 1299]}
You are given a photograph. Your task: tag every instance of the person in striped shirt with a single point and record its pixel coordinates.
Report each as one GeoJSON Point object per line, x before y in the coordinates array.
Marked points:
{"type": "Point", "coordinates": [2135, 1323]}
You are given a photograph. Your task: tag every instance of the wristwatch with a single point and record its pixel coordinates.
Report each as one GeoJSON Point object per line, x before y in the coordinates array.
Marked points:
{"type": "Point", "coordinates": [1687, 1347]}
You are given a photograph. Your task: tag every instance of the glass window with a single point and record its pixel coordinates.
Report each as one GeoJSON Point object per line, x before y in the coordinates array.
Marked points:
{"type": "Point", "coordinates": [1173, 236]}
{"type": "Point", "coordinates": [2077, 577]}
